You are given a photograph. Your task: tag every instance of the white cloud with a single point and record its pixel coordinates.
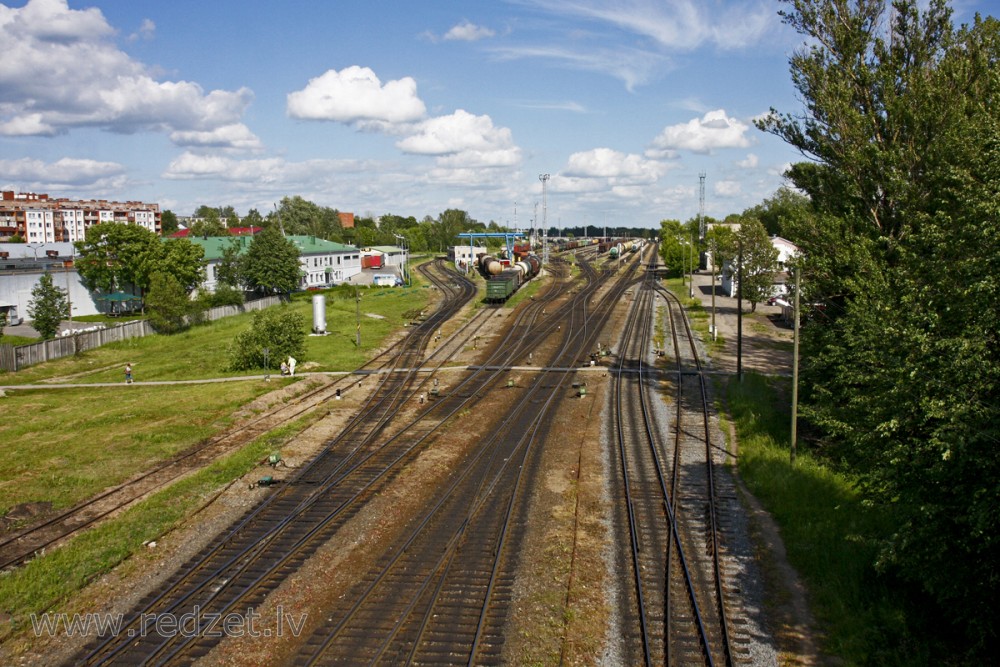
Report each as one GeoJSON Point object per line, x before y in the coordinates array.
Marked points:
{"type": "Point", "coordinates": [750, 162]}
{"type": "Point", "coordinates": [678, 24]}
{"type": "Point", "coordinates": [712, 131]}
{"type": "Point", "coordinates": [727, 188]}
{"type": "Point", "coordinates": [569, 105]}
{"type": "Point", "coordinates": [632, 66]}
{"type": "Point", "coordinates": [356, 95]}
{"type": "Point", "coordinates": [267, 171]}
{"type": "Point", "coordinates": [67, 73]}
{"type": "Point", "coordinates": [37, 175]}
{"type": "Point", "coordinates": [468, 32]}
{"type": "Point", "coordinates": [462, 139]}
{"type": "Point", "coordinates": [237, 136]}
{"type": "Point", "coordinates": [27, 125]}
{"type": "Point", "coordinates": [146, 31]}
{"type": "Point", "coordinates": [65, 170]}
{"type": "Point", "coordinates": [620, 168]}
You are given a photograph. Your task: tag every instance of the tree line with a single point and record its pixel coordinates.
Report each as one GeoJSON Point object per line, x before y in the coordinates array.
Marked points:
{"type": "Point", "coordinates": [900, 238]}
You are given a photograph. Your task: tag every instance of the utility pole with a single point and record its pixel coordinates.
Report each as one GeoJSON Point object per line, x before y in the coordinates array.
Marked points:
{"type": "Point", "coordinates": [739, 315]}
{"type": "Point", "coordinates": [691, 266]}
{"type": "Point", "coordinates": [701, 205]}
{"type": "Point", "coordinates": [795, 366]}
{"type": "Point", "coordinates": [357, 306]}
{"type": "Point", "coordinates": [715, 332]}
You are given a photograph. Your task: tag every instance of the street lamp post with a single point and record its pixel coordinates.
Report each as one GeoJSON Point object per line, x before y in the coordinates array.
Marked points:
{"type": "Point", "coordinates": [403, 271]}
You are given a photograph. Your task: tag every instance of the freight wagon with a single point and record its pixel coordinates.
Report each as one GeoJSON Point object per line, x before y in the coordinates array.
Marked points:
{"type": "Point", "coordinates": [501, 282]}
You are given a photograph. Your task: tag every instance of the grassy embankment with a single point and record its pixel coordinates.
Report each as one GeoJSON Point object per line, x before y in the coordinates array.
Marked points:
{"type": "Point", "coordinates": [830, 535]}
{"type": "Point", "coordinates": [63, 445]}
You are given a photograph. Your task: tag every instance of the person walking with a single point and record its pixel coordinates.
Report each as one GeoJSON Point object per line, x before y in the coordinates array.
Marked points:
{"type": "Point", "coordinates": [128, 373]}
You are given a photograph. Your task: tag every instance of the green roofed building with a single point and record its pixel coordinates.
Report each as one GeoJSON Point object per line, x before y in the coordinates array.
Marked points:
{"type": "Point", "coordinates": [326, 262]}
{"type": "Point", "coordinates": [323, 263]}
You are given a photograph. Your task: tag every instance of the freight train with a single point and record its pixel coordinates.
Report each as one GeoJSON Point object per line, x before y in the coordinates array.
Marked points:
{"type": "Point", "coordinates": [625, 247]}
{"type": "Point", "coordinates": [503, 280]}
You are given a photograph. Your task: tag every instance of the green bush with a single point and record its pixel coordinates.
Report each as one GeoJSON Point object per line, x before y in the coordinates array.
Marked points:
{"type": "Point", "coordinates": [280, 330]}
{"type": "Point", "coordinates": [167, 304]}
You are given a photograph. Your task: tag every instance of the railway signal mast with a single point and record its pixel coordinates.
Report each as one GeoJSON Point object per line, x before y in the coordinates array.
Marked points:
{"type": "Point", "coordinates": [544, 178]}
{"type": "Point", "coordinates": [701, 206]}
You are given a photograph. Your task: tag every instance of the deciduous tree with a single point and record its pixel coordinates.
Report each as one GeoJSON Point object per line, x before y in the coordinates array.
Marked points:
{"type": "Point", "coordinates": [271, 263]}
{"type": "Point", "coordinates": [903, 245]}
{"type": "Point", "coordinates": [48, 307]}
{"type": "Point", "coordinates": [167, 303]}
{"type": "Point", "coordinates": [114, 256]}
{"type": "Point", "coordinates": [280, 330]}
{"type": "Point", "coordinates": [760, 259]}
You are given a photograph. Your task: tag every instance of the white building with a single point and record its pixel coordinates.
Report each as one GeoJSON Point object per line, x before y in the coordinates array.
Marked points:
{"type": "Point", "coordinates": [464, 256]}
{"type": "Point", "coordinates": [321, 263]}
{"type": "Point", "coordinates": [786, 251]}
{"type": "Point", "coordinates": [23, 264]}
{"type": "Point", "coordinates": [325, 263]}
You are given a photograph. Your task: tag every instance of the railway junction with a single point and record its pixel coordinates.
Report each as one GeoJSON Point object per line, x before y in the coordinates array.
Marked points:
{"type": "Point", "coordinates": [546, 484]}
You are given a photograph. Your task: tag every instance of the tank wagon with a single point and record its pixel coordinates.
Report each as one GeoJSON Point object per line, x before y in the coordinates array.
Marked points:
{"type": "Point", "coordinates": [501, 282]}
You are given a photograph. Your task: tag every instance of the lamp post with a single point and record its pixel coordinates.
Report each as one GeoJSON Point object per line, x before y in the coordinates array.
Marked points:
{"type": "Point", "coordinates": [403, 271]}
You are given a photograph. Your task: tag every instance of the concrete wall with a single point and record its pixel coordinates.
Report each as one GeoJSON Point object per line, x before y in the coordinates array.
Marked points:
{"type": "Point", "coordinates": [16, 286]}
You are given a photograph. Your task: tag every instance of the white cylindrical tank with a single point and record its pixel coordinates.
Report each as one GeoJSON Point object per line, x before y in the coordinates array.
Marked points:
{"type": "Point", "coordinates": [319, 314]}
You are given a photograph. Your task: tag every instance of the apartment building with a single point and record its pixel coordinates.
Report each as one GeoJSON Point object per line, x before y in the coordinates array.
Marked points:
{"type": "Point", "coordinates": [38, 218]}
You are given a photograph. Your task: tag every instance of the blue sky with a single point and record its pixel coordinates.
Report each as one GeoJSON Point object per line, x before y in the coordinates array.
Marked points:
{"type": "Point", "coordinates": [397, 107]}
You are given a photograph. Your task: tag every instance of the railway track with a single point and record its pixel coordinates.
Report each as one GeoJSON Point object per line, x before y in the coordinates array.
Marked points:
{"type": "Point", "coordinates": [668, 499]}
{"type": "Point", "coordinates": [242, 566]}
{"type": "Point", "coordinates": [25, 543]}
{"type": "Point", "coordinates": [272, 539]}
{"type": "Point", "coordinates": [441, 594]}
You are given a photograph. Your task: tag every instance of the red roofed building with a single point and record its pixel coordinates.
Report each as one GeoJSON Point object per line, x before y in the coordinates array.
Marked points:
{"type": "Point", "coordinates": [233, 231]}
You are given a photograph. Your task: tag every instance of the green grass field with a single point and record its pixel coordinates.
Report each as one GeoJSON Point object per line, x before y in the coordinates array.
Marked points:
{"type": "Point", "coordinates": [830, 534]}
{"type": "Point", "coordinates": [64, 445]}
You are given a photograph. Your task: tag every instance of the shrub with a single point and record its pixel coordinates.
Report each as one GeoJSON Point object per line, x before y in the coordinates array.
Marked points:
{"type": "Point", "coordinates": [280, 330]}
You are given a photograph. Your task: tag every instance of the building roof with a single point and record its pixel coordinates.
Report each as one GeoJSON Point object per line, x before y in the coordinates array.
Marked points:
{"type": "Point", "coordinates": [311, 245]}
{"type": "Point", "coordinates": [387, 249]}
{"type": "Point", "coordinates": [214, 246]}
{"type": "Point", "coordinates": [233, 231]}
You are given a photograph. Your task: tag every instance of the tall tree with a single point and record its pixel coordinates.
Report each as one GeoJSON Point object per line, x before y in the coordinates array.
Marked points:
{"type": "Point", "coordinates": [229, 271]}
{"type": "Point", "coordinates": [168, 223]}
{"type": "Point", "coordinates": [722, 242]}
{"type": "Point", "coordinates": [112, 256]}
{"type": "Point", "coordinates": [115, 256]}
{"type": "Point", "coordinates": [252, 219]}
{"type": "Point", "coordinates": [271, 263]}
{"type": "Point", "coordinates": [299, 216]}
{"type": "Point", "coordinates": [760, 259]}
{"type": "Point", "coordinates": [445, 231]}
{"type": "Point", "coordinates": [179, 258]}
{"type": "Point", "coordinates": [209, 223]}
{"type": "Point", "coordinates": [167, 303]}
{"type": "Point", "coordinates": [904, 247]}
{"type": "Point", "coordinates": [781, 211]}
{"type": "Point", "coordinates": [673, 251]}
{"type": "Point", "coordinates": [48, 307]}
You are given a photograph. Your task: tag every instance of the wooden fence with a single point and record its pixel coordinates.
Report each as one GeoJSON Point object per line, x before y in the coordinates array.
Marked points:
{"type": "Point", "coordinates": [14, 358]}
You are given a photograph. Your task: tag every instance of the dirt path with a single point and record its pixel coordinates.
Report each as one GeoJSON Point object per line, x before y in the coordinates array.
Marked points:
{"type": "Point", "coordinates": [766, 349]}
